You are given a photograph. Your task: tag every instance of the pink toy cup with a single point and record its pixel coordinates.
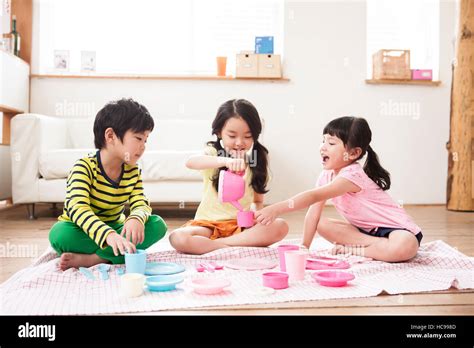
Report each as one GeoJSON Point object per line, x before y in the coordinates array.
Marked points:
{"type": "Point", "coordinates": [295, 264]}
{"type": "Point", "coordinates": [245, 218]}
{"type": "Point", "coordinates": [281, 254]}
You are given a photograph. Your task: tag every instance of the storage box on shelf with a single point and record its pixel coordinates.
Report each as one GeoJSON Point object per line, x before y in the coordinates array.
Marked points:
{"type": "Point", "coordinates": [269, 66]}
{"type": "Point", "coordinates": [422, 74]}
{"type": "Point", "coordinates": [391, 64]}
{"type": "Point", "coordinates": [246, 65]}
{"type": "Point", "coordinates": [251, 65]}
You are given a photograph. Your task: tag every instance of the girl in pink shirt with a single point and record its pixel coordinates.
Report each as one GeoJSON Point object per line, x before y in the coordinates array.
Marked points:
{"type": "Point", "coordinates": [359, 195]}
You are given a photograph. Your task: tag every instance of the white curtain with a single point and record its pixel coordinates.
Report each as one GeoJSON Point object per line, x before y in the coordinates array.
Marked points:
{"type": "Point", "coordinates": [153, 36]}
{"type": "Point", "coordinates": [405, 24]}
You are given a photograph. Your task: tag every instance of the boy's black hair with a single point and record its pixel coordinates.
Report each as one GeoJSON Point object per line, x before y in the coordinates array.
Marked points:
{"type": "Point", "coordinates": [121, 115]}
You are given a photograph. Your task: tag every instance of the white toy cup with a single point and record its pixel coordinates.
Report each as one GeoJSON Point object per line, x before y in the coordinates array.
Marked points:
{"type": "Point", "coordinates": [296, 264]}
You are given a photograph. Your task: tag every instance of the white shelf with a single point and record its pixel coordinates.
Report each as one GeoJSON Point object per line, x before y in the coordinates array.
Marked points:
{"type": "Point", "coordinates": [14, 83]}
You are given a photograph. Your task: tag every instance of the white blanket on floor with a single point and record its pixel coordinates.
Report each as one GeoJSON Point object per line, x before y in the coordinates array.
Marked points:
{"type": "Point", "coordinates": [42, 289]}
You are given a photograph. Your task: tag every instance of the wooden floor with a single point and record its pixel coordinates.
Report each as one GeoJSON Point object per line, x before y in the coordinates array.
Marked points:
{"type": "Point", "coordinates": [455, 228]}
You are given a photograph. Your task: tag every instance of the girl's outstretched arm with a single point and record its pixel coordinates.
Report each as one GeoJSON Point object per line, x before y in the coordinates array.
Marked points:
{"type": "Point", "coordinates": [199, 162]}
{"type": "Point", "coordinates": [302, 200]}
{"type": "Point", "coordinates": [311, 221]}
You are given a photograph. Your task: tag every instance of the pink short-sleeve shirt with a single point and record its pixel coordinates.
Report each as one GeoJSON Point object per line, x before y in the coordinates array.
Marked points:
{"type": "Point", "coordinates": [369, 208]}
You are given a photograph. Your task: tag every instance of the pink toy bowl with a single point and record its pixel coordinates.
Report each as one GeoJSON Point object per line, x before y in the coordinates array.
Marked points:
{"type": "Point", "coordinates": [332, 278]}
{"type": "Point", "coordinates": [209, 286]}
{"type": "Point", "coordinates": [245, 218]}
{"type": "Point", "coordinates": [275, 280]}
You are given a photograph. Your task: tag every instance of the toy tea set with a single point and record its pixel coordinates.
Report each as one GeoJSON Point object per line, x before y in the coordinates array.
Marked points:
{"type": "Point", "coordinates": [231, 189]}
{"type": "Point", "coordinates": [164, 276]}
{"type": "Point", "coordinates": [293, 265]}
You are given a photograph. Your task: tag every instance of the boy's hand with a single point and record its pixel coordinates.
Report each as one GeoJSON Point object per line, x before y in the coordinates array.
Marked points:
{"type": "Point", "coordinates": [236, 164]}
{"type": "Point", "coordinates": [119, 244]}
{"type": "Point", "coordinates": [266, 215]}
{"type": "Point", "coordinates": [134, 231]}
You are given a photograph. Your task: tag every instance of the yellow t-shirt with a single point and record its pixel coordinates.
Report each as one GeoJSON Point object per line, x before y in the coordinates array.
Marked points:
{"type": "Point", "coordinates": [211, 208]}
{"type": "Point", "coordinates": [93, 199]}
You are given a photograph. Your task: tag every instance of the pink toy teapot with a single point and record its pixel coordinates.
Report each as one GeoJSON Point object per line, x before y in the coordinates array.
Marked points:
{"type": "Point", "coordinates": [231, 189]}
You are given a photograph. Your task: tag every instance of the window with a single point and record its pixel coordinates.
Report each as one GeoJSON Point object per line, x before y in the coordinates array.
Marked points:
{"type": "Point", "coordinates": [153, 36]}
{"type": "Point", "coordinates": [405, 24]}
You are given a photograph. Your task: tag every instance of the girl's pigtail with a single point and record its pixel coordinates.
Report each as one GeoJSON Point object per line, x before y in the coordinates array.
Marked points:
{"type": "Point", "coordinates": [375, 171]}
{"type": "Point", "coordinates": [258, 163]}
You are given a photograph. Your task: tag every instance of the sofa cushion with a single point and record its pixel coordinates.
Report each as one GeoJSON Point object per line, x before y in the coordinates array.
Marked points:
{"type": "Point", "coordinates": [56, 164]}
{"type": "Point", "coordinates": [156, 165]}
{"type": "Point", "coordinates": [81, 133]}
{"type": "Point", "coordinates": [168, 165]}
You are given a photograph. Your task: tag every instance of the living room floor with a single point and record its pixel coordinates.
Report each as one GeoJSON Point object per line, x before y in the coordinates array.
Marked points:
{"type": "Point", "coordinates": [454, 228]}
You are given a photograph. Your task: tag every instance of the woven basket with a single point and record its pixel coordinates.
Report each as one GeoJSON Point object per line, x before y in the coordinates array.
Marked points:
{"type": "Point", "coordinates": [391, 65]}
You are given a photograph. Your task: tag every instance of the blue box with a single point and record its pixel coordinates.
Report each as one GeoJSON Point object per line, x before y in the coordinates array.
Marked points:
{"type": "Point", "coordinates": [264, 44]}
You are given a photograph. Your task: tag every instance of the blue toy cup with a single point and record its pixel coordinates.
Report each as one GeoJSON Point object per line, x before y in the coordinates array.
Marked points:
{"type": "Point", "coordinates": [135, 263]}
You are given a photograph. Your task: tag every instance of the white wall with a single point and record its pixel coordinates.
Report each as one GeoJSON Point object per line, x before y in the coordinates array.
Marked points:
{"type": "Point", "coordinates": [325, 54]}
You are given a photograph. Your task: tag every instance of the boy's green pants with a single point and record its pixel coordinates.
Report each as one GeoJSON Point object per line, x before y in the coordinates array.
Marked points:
{"type": "Point", "coordinates": [67, 237]}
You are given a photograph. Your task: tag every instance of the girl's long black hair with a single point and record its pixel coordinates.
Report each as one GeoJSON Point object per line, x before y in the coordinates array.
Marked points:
{"type": "Point", "coordinates": [245, 110]}
{"type": "Point", "coordinates": [355, 132]}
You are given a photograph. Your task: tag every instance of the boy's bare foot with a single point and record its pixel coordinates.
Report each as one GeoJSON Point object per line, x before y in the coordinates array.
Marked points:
{"type": "Point", "coordinates": [76, 260]}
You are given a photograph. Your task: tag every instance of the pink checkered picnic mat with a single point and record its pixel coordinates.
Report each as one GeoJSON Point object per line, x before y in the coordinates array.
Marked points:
{"type": "Point", "coordinates": [42, 289]}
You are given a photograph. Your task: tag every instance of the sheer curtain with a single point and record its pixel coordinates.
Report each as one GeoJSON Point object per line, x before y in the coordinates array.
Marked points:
{"type": "Point", "coordinates": [153, 36]}
{"type": "Point", "coordinates": [405, 24]}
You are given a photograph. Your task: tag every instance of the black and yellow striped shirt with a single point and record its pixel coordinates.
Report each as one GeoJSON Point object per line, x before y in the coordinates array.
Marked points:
{"type": "Point", "coordinates": [92, 198]}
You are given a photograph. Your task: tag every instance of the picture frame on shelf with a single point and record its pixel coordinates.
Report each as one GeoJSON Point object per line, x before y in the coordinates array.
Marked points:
{"type": "Point", "coordinates": [5, 16]}
{"type": "Point", "coordinates": [88, 61]}
{"type": "Point", "coordinates": [5, 44]}
{"type": "Point", "coordinates": [61, 60]}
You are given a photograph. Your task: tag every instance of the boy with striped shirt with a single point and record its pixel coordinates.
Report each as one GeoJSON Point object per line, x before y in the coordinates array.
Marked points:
{"type": "Point", "coordinates": [92, 228]}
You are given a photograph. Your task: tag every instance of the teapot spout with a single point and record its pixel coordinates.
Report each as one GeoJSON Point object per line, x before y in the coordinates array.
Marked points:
{"type": "Point", "coordinates": [237, 205]}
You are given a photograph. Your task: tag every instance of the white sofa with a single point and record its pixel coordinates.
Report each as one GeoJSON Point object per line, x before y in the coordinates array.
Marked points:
{"type": "Point", "coordinates": [44, 148]}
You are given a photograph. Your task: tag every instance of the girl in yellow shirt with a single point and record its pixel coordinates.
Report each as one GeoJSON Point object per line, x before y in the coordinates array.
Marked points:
{"type": "Point", "coordinates": [237, 127]}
